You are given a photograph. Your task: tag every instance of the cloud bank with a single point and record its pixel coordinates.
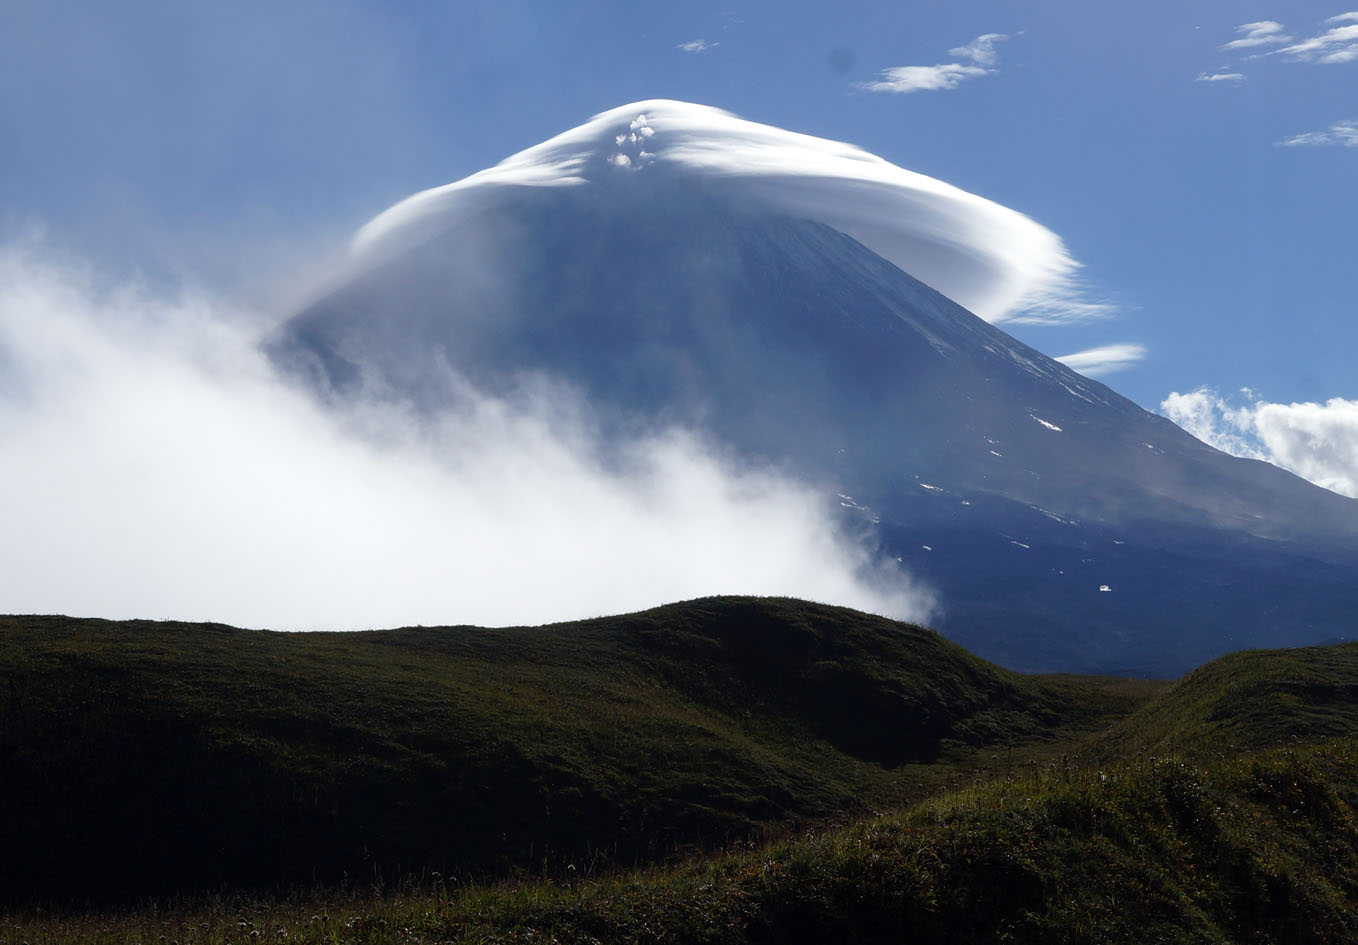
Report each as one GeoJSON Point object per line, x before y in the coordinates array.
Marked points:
{"type": "Point", "coordinates": [1318, 442]}
{"type": "Point", "coordinates": [992, 260]}
{"type": "Point", "coordinates": [156, 467]}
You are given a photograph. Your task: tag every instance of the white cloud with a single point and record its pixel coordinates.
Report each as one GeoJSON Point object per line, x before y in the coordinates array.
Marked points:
{"type": "Point", "coordinates": [949, 75]}
{"type": "Point", "coordinates": [1261, 33]}
{"type": "Point", "coordinates": [990, 259]}
{"type": "Point", "coordinates": [906, 79]}
{"type": "Point", "coordinates": [1338, 43]}
{"type": "Point", "coordinates": [1335, 45]}
{"type": "Point", "coordinates": [1341, 133]}
{"type": "Point", "coordinates": [1318, 442]}
{"type": "Point", "coordinates": [154, 466]}
{"type": "Point", "coordinates": [981, 49]}
{"type": "Point", "coordinates": [697, 46]}
{"type": "Point", "coordinates": [1096, 362]}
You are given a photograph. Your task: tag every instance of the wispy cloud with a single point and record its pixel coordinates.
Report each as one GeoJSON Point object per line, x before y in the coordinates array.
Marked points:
{"type": "Point", "coordinates": [1318, 442]}
{"type": "Point", "coordinates": [1342, 133]}
{"type": "Point", "coordinates": [697, 46]}
{"type": "Point", "coordinates": [1096, 362]}
{"type": "Point", "coordinates": [1261, 33]}
{"type": "Point", "coordinates": [1337, 44]}
{"type": "Point", "coordinates": [980, 50]}
{"type": "Point", "coordinates": [981, 56]}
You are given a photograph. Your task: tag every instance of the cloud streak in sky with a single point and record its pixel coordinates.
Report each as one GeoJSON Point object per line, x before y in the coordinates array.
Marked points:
{"type": "Point", "coordinates": [981, 59]}
{"type": "Point", "coordinates": [1341, 133]}
{"type": "Point", "coordinates": [1318, 442]}
{"type": "Point", "coordinates": [155, 466]}
{"type": "Point", "coordinates": [1096, 362]}
{"type": "Point", "coordinates": [1337, 44]}
{"type": "Point", "coordinates": [696, 46]}
{"type": "Point", "coordinates": [1261, 33]}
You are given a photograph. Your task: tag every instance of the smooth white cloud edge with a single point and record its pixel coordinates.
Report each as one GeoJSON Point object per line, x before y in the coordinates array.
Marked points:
{"type": "Point", "coordinates": [1318, 442]}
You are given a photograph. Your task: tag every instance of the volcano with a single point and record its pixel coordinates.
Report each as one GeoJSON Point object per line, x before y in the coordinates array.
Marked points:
{"type": "Point", "coordinates": [803, 304]}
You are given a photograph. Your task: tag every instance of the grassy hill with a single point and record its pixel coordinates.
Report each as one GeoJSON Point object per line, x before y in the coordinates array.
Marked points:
{"type": "Point", "coordinates": [150, 758]}
{"type": "Point", "coordinates": [1246, 701]}
{"type": "Point", "coordinates": [777, 772]}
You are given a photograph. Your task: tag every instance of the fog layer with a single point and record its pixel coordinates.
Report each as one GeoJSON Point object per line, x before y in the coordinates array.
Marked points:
{"type": "Point", "coordinates": [155, 466]}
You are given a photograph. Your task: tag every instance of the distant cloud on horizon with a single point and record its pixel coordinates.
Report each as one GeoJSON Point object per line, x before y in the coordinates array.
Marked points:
{"type": "Point", "coordinates": [1096, 362]}
{"type": "Point", "coordinates": [1220, 77]}
{"type": "Point", "coordinates": [1343, 134]}
{"type": "Point", "coordinates": [902, 80]}
{"type": "Point", "coordinates": [1318, 442]}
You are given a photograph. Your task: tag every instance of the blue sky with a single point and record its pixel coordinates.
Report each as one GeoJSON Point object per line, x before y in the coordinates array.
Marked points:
{"type": "Point", "coordinates": [234, 145]}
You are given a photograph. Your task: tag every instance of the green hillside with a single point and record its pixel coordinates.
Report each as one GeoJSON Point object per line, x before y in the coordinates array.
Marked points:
{"type": "Point", "coordinates": [730, 770]}
{"type": "Point", "coordinates": [1247, 701]}
{"type": "Point", "coordinates": [149, 758]}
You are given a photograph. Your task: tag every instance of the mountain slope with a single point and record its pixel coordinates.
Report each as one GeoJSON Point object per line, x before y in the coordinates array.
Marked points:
{"type": "Point", "coordinates": [983, 462]}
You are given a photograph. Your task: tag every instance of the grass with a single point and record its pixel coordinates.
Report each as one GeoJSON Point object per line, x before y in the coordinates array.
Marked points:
{"type": "Point", "coordinates": [1257, 849]}
{"type": "Point", "coordinates": [798, 774]}
{"type": "Point", "coordinates": [1247, 701]}
{"type": "Point", "coordinates": [164, 759]}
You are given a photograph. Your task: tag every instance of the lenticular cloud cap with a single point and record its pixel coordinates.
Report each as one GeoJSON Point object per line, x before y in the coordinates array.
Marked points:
{"type": "Point", "coordinates": [990, 259]}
